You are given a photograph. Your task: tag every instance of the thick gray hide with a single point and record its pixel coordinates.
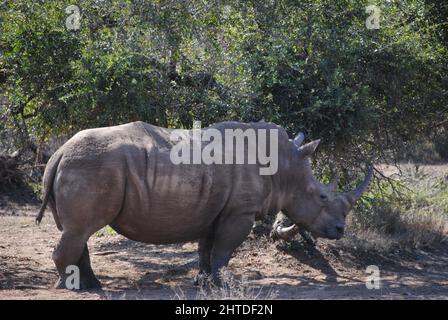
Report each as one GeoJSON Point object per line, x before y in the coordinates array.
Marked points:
{"type": "Point", "coordinates": [123, 177]}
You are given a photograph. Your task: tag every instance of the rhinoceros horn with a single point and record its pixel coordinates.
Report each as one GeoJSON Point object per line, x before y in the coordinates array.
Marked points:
{"type": "Point", "coordinates": [354, 195]}
{"type": "Point", "coordinates": [298, 140]}
{"type": "Point", "coordinates": [287, 233]}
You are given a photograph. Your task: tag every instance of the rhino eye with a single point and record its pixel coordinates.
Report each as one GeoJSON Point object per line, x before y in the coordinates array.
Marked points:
{"type": "Point", "coordinates": [323, 197]}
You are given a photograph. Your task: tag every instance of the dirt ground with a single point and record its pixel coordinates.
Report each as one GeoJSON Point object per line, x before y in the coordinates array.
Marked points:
{"type": "Point", "coordinates": [131, 270]}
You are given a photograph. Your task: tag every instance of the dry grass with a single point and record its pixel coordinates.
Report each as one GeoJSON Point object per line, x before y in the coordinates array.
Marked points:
{"type": "Point", "coordinates": [411, 212]}
{"type": "Point", "coordinates": [230, 289]}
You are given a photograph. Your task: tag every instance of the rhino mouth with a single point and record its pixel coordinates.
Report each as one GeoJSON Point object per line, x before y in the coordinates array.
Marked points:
{"type": "Point", "coordinates": [288, 232]}
{"type": "Point", "coordinates": [334, 237]}
{"type": "Point", "coordinates": [334, 234]}
{"type": "Point", "coordinates": [326, 234]}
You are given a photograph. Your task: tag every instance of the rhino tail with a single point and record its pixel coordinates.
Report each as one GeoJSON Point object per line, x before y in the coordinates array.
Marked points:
{"type": "Point", "coordinates": [49, 175]}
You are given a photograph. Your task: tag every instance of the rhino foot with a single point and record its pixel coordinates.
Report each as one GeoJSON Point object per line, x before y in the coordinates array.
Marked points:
{"type": "Point", "coordinates": [87, 283]}
{"type": "Point", "coordinates": [90, 283]}
{"type": "Point", "coordinates": [308, 238]}
{"type": "Point", "coordinates": [60, 284]}
{"type": "Point", "coordinates": [201, 279]}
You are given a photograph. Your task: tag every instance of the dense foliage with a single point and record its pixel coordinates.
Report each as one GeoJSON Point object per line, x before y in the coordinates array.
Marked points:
{"type": "Point", "coordinates": [306, 65]}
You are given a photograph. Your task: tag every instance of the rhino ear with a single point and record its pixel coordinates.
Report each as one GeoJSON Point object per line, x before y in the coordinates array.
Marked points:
{"type": "Point", "coordinates": [333, 185]}
{"type": "Point", "coordinates": [308, 149]}
{"type": "Point", "coordinates": [298, 140]}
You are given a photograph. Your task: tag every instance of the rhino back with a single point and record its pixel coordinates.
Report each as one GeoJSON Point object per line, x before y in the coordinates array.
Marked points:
{"type": "Point", "coordinates": [175, 203]}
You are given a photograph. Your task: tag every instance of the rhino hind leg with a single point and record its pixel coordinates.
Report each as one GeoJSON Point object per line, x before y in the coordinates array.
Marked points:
{"type": "Point", "coordinates": [88, 278]}
{"type": "Point", "coordinates": [230, 233]}
{"type": "Point", "coordinates": [72, 251]}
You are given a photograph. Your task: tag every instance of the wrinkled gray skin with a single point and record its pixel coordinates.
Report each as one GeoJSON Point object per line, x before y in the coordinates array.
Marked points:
{"type": "Point", "coordinates": [122, 176]}
{"type": "Point", "coordinates": [334, 207]}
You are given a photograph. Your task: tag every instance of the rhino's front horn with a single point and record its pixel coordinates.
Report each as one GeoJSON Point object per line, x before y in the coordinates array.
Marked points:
{"type": "Point", "coordinates": [354, 195]}
{"type": "Point", "coordinates": [287, 233]}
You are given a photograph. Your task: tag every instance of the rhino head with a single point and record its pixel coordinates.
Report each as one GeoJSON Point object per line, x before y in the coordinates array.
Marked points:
{"type": "Point", "coordinates": [312, 205]}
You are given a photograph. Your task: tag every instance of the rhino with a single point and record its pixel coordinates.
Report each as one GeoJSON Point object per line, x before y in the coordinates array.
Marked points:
{"type": "Point", "coordinates": [123, 176]}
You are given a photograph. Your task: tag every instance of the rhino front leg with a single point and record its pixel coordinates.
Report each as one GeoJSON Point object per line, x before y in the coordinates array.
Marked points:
{"type": "Point", "coordinates": [230, 233]}
{"type": "Point", "coordinates": [204, 250]}
{"type": "Point", "coordinates": [309, 239]}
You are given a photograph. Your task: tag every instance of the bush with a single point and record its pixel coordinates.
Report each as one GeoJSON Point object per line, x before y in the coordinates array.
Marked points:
{"type": "Point", "coordinates": [307, 65]}
{"type": "Point", "coordinates": [11, 175]}
{"type": "Point", "coordinates": [441, 145]}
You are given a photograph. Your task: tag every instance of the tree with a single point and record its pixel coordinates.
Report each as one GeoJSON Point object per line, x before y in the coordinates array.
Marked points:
{"type": "Point", "coordinates": [308, 65]}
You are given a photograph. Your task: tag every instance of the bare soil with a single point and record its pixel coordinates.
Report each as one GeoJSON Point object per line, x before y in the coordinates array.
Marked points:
{"type": "Point", "coordinates": [131, 270]}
